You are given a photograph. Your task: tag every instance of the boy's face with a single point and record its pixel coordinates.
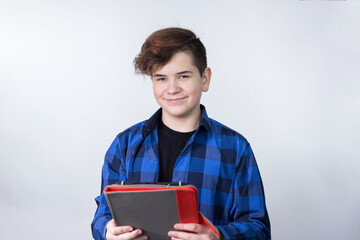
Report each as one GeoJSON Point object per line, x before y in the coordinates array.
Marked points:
{"type": "Point", "coordinates": [178, 86]}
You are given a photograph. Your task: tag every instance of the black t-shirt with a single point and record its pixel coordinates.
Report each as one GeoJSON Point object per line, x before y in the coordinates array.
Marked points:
{"type": "Point", "coordinates": [171, 143]}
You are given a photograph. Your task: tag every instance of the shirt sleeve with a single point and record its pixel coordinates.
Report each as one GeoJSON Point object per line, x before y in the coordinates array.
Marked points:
{"type": "Point", "coordinates": [113, 171]}
{"type": "Point", "coordinates": [249, 217]}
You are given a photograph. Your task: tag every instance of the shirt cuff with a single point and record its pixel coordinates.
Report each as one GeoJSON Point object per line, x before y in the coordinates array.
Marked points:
{"type": "Point", "coordinates": [105, 229]}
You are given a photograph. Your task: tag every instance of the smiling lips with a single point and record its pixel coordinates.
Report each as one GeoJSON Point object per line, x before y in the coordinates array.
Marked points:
{"type": "Point", "coordinates": [175, 100]}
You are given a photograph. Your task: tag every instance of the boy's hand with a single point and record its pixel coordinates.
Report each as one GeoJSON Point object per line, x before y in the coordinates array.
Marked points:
{"type": "Point", "coordinates": [122, 232]}
{"type": "Point", "coordinates": [197, 231]}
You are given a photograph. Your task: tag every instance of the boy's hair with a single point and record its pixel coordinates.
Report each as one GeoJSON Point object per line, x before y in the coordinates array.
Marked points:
{"type": "Point", "coordinates": [161, 45]}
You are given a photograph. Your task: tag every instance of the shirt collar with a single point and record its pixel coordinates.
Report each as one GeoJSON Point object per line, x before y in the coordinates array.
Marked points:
{"type": "Point", "coordinates": [152, 122]}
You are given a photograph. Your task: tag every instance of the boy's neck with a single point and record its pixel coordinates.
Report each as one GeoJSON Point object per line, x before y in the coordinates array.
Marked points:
{"type": "Point", "coordinates": [185, 124]}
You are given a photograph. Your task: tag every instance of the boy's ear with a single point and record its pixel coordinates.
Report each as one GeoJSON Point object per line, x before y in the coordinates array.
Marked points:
{"type": "Point", "coordinates": [206, 79]}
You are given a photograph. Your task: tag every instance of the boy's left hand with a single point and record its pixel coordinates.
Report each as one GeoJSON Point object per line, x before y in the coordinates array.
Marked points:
{"type": "Point", "coordinates": [196, 231]}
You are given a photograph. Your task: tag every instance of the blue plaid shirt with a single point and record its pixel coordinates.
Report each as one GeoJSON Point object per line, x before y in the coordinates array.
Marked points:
{"type": "Point", "coordinates": [216, 159]}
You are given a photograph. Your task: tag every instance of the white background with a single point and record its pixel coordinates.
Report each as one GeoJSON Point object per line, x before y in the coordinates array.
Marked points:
{"type": "Point", "coordinates": [285, 74]}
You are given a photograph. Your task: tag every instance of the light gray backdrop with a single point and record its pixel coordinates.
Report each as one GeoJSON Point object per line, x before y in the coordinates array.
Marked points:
{"type": "Point", "coordinates": [285, 75]}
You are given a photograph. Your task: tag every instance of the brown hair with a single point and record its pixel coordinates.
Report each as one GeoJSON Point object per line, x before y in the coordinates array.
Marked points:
{"type": "Point", "coordinates": [161, 45]}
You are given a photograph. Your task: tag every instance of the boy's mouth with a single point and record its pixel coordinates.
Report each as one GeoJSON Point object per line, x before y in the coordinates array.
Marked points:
{"type": "Point", "coordinates": [175, 100]}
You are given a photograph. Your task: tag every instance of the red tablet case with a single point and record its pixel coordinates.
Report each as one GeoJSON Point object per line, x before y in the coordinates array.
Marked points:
{"type": "Point", "coordinates": [154, 208]}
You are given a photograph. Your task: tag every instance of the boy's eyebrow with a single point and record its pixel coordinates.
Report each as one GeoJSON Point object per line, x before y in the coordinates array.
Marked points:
{"type": "Point", "coordinates": [183, 72]}
{"type": "Point", "coordinates": [179, 73]}
{"type": "Point", "coordinates": [159, 75]}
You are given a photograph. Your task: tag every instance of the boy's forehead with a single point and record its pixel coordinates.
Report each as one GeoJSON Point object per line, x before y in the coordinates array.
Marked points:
{"type": "Point", "coordinates": [181, 61]}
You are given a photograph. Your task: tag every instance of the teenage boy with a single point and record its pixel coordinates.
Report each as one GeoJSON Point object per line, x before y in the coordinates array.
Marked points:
{"type": "Point", "coordinates": [181, 143]}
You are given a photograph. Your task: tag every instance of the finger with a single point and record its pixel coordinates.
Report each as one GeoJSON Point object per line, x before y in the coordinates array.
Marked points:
{"type": "Point", "coordinates": [143, 237]}
{"type": "Point", "coordinates": [114, 230]}
{"type": "Point", "coordinates": [191, 227]}
{"type": "Point", "coordinates": [174, 238]}
{"type": "Point", "coordinates": [131, 235]}
{"type": "Point", "coordinates": [120, 230]}
{"type": "Point", "coordinates": [181, 235]}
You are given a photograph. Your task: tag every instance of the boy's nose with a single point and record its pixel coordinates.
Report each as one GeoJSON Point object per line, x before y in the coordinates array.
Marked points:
{"type": "Point", "coordinates": [173, 87]}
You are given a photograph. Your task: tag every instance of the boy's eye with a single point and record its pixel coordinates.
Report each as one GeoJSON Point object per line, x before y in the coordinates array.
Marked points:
{"type": "Point", "coordinates": [160, 79]}
{"type": "Point", "coordinates": [184, 76]}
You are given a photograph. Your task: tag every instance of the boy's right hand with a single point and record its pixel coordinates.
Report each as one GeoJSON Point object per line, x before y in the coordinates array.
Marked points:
{"type": "Point", "coordinates": [122, 232]}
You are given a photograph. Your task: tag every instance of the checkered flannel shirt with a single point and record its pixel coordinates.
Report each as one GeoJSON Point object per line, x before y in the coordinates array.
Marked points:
{"type": "Point", "coordinates": [217, 160]}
